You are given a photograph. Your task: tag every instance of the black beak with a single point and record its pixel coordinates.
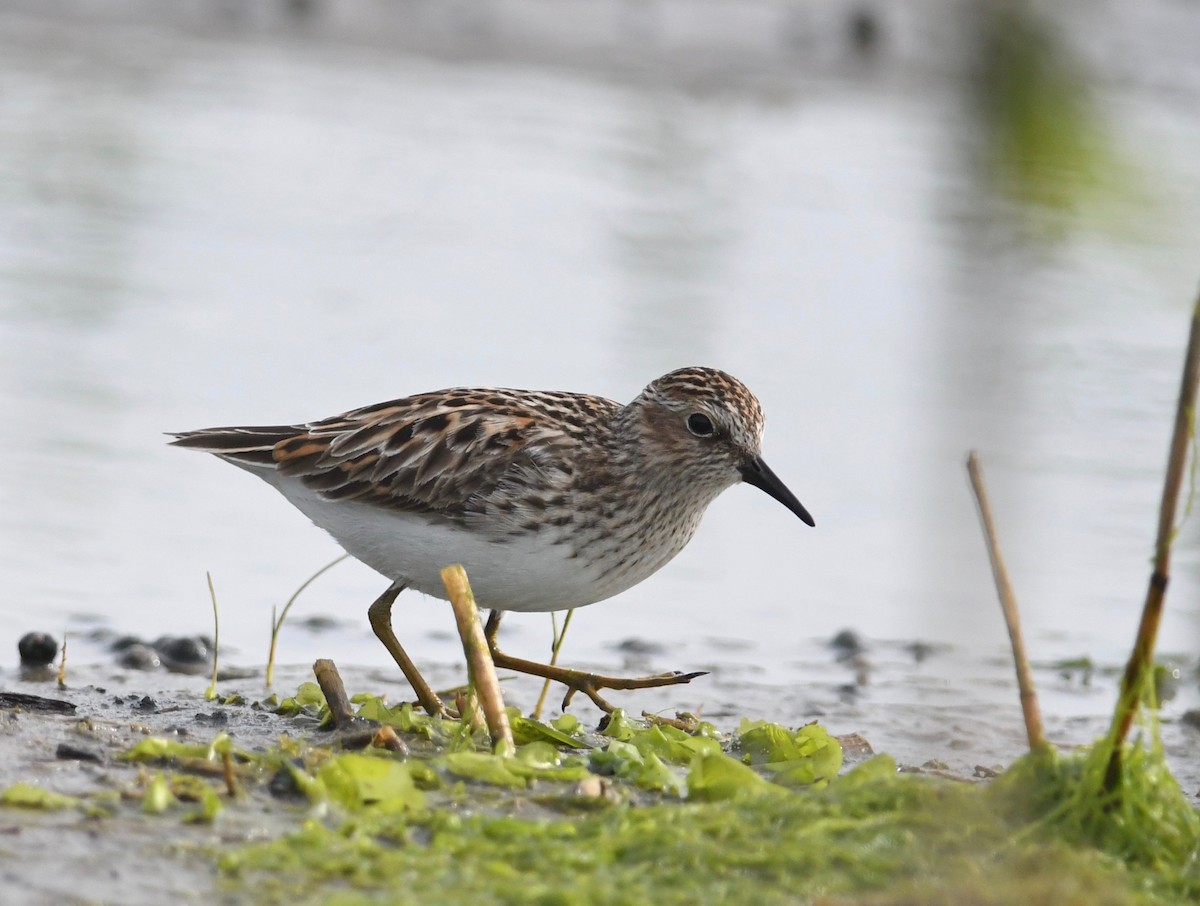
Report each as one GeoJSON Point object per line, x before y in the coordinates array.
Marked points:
{"type": "Point", "coordinates": [759, 474]}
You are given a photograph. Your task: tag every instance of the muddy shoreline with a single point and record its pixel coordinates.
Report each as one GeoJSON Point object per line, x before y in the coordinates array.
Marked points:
{"type": "Point", "coordinates": [926, 721]}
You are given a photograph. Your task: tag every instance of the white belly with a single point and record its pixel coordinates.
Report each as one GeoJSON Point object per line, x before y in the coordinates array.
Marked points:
{"type": "Point", "coordinates": [523, 573]}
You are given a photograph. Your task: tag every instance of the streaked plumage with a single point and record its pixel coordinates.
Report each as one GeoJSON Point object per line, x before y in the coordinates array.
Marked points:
{"type": "Point", "coordinates": [550, 500]}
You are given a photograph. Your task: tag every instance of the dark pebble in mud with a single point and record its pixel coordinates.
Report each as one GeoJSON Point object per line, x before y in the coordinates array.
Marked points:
{"type": "Point", "coordinates": [847, 643]}
{"type": "Point", "coordinates": [318, 623]}
{"type": "Point", "coordinates": [147, 704]}
{"type": "Point", "coordinates": [37, 649]}
{"type": "Point", "coordinates": [229, 674]}
{"type": "Point", "coordinates": [28, 702]}
{"type": "Point", "coordinates": [68, 752]}
{"type": "Point", "coordinates": [182, 650]}
{"type": "Point", "coordinates": [920, 651]}
{"type": "Point", "coordinates": [283, 786]}
{"type": "Point", "coordinates": [139, 657]}
{"type": "Point", "coordinates": [639, 646]}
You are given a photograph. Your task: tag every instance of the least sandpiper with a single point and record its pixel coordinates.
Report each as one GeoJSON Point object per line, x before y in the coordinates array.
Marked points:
{"type": "Point", "coordinates": [550, 500]}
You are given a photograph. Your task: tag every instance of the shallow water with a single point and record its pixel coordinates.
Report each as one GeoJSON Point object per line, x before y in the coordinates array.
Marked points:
{"type": "Point", "coordinates": [210, 220]}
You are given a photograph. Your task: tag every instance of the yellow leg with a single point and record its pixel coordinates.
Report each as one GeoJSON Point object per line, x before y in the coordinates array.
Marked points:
{"type": "Point", "coordinates": [589, 684]}
{"type": "Point", "coordinates": [380, 615]}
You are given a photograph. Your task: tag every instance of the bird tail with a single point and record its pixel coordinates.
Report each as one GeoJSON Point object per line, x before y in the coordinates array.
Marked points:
{"type": "Point", "coordinates": [250, 447]}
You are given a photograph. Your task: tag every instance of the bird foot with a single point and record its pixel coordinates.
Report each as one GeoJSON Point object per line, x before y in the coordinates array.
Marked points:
{"type": "Point", "coordinates": [590, 684]}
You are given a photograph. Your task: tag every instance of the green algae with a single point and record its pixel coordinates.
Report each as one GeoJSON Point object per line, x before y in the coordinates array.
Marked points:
{"type": "Point", "coordinates": [356, 781]}
{"type": "Point", "coordinates": [869, 836]}
{"type": "Point", "coordinates": [760, 815]}
{"type": "Point", "coordinates": [158, 797]}
{"type": "Point", "coordinates": [26, 795]}
{"type": "Point", "coordinates": [1143, 819]}
{"type": "Point", "coordinates": [653, 812]}
{"type": "Point", "coordinates": [155, 748]}
{"type": "Point", "coordinates": [808, 755]}
{"type": "Point", "coordinates": [309, 699]}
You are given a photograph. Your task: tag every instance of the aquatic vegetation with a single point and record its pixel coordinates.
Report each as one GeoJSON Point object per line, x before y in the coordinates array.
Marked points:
{"type": "Point", "coordinates": [720, 831]}
{"type": "Point", "coordinates": [647, 810]}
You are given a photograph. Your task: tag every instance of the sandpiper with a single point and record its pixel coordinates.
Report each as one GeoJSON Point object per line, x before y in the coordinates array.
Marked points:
{"type": "Point", "coordinates": [550, 500]}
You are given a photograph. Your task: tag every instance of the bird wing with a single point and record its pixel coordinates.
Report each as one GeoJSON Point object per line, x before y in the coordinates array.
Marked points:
{"type": "Point", "coordinates": [454, 453]}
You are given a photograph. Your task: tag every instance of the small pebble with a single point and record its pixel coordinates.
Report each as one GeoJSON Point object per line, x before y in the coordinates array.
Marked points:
{"type": "Point", "coordinates": [855, 745]}
{"type": "Point", "coordinates": [37, 649]}
{"type": "Point", "coordinates": [846, 643]}
{"type": "Point", "coordinates": [146, 703]}
{"type": "Point", "coordinates": [596, 789]}
{"type": "Point", "coordinates": [639, 646]}
{"type": "Point", "coordinates": [182, 650]}
{"type": "Point", "coordinates": [68, 752]}
{"type": "Point", "coordinates": [386, 738]}
{"type": "Point", "coordinates": [920, 651]}
{"type": "Point", "coordinates": [139, 657]}
{"type": "Point", "coordinates": [318, 623]}
{"type": "Point", "coordinates": [848, 692]}
{"type": "Point", "coordinates": [283, 786]}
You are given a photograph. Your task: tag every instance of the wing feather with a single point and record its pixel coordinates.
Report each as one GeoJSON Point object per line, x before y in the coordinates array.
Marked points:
{"type": "Point", "coordinates": [451, 455]}
{"type": "Point", "coordinates": [457, 453]}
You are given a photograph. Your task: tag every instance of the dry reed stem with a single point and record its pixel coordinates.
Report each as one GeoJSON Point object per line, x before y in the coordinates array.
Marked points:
{"type": "Point", "coordinates": [555, 648]}
{"type": "Point", "coordinates": [482, 670]}
{"type": "Point", "coordinates": [207, 768]}
{"type": "Point", "coordinates": [334, 690]}
{"type": "Point", "coordinates": [229, 775]}
{"type": "Point", "coordinates": [1142, 657]}
{"type": "Point", "coordinates": [62, 665]}
{"type": "Point", "coordinates": [466, 702]}
{"type": "Point", "coordinates": [1008, 604]}
{"type": "Point", "coordinates": [385, 738]}
{"type": "Point", "coordinates": [211, 692]}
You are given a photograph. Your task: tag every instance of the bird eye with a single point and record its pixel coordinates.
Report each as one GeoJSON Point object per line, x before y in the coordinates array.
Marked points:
{"type": "Point", "coordinates": [701, 425]}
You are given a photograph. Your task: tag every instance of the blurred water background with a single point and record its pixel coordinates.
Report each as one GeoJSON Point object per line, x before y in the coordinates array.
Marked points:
{"type": "Point", "coordinates": [909, 232]}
